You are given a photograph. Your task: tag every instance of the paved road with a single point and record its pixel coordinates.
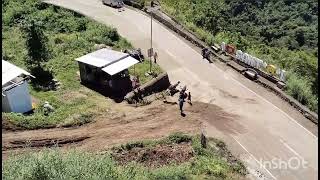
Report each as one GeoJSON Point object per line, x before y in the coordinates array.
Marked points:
{"type": "Point", "coordinates": [259, 132]}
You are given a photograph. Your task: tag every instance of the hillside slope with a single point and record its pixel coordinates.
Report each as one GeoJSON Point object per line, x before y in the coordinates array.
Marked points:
{"type": "Point", "coordinates": [284, 33]}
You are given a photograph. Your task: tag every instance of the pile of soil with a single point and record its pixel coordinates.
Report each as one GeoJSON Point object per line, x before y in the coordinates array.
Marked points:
{"type": "Point", "coordinates": [157, 156]}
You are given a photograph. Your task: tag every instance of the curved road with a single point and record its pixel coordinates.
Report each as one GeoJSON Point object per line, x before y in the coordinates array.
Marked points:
{"type": "Point", "coordinates": [264, 130]}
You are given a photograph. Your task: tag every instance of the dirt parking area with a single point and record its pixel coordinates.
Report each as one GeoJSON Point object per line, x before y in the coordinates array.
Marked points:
{"type": "Point", "coordinates": [123, 124]}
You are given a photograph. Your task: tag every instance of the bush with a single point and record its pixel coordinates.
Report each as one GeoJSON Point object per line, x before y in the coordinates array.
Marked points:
{"type": "Point", "coordinates": [123, 44]}
{"type": "Point", "coordinates": [15, 12]}
{"type": "Point", "coordinates": [78, 120]}
{"type": "Point", "coordinates": [129, 146]}
{"type": "Point", "coordinates": [100, 34]}
{"type": "Point", "coordinates": [43, 77]}
{"type": "Point", "coordinates": [172, 173]}
{"type": "Point", "coordinates": [299, 88]}
{"type": "Point", "coordinates": [216, 167]}
{"type": "Point", "coordinates": [178, 138]}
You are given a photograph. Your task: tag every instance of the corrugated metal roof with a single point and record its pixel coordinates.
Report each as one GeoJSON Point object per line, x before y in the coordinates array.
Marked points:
{"type": "Point", "coordinates": [101, 57]}
{"type": "Point", "coordinates": [120, 65]}
{"type": "Point", "coordinates": [110, 61]}
{"type": "Point", "coordinates": [10, 71]}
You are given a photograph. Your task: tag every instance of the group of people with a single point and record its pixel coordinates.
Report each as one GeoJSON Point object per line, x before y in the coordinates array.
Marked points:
{"type": "Point", "coordinates": [182, 96]}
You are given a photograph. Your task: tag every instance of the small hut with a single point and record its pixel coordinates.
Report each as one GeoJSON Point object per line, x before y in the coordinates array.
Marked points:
{"type": "Point", "coordinates": [106, 70]}
{"type": "Point", "coordinates": [15, 94]}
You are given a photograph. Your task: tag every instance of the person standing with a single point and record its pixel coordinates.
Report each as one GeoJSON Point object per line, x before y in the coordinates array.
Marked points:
{"type": "Point", "coordinates": [189, 98]}
{"type": "Point", "coordinates": [181, 103]}
{"type": "Point", "coordinates": [182, 96]}
{"type": "Point", "coordinates": [140, 54]}
{"type": "Point", "coordinates": [203, 53]}
{"type": "Point", "coordinates": [155, 56]}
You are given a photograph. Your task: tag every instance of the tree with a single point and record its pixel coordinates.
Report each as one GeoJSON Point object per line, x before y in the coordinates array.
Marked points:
{"type": "Point", "coordinates": [36, 43]}
{"type": "Point", "coordinates": [38, 54]}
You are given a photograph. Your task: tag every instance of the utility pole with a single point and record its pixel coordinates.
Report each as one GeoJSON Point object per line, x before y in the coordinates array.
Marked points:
{"type": "Point", "coordinates": [151, 44]}
{"type": "Point", "coordinates": [152, 9]}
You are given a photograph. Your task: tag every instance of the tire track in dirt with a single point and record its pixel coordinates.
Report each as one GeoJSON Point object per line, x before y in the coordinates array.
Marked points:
{"type": "Point", "coordinates": [42, 142]}
{"type": "Point", "coordinates": [148, 122]}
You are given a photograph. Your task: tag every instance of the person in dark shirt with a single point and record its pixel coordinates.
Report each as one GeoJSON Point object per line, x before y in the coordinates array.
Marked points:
{"type": "Point", "coordinates": [181, 100]}
{"type": "Point", "coordinates": [204, 52]}
{"type": "Point", "coordinates": [189, 98]}
{"type": "Point", "coordinates": [155, 57]}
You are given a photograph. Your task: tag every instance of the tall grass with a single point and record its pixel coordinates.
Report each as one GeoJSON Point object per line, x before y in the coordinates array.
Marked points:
{"type": "Point", "coordinates": [300, 89]}
{"type": "Point", "coordinates": [54, 164]}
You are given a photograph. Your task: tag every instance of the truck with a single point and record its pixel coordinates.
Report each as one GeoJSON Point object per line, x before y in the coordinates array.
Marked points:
{"type": "Point", "coordinates": [113, 3]}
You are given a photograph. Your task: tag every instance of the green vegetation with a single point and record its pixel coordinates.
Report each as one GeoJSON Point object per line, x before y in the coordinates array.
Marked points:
{"type": "Point", "coordinates": [52, 164]}
{"type": "Point", "coordinates": [283, 33]}
{"type": "Point", "coordinates": [36, 44]}
{"type": "Point", "coordinates": [141, 68]}
{"type": "Point", "coordinates": [69, 35]}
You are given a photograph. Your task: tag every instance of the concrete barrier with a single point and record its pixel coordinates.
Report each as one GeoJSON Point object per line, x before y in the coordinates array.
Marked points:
{"type": "Point", "coordinates": [297, 105]}
{"type": "Point", "coordinates": [157, 84]}
{"type": "Point", "coordinates": [261, 73]}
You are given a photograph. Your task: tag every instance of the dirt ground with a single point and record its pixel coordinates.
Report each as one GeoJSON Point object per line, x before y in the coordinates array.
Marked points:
{"type": "Point", "coordinates": [126, 124]}
{"type": "Point", "coordinates": [160, 155]}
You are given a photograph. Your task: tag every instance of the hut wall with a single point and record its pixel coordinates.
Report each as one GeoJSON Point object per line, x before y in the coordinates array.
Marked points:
{"type": "Point", "coordinates": [17, 99]}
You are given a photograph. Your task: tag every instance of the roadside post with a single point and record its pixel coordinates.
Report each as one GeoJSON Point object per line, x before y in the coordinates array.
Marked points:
{"type": "Point", "coordinates": [150, 51]}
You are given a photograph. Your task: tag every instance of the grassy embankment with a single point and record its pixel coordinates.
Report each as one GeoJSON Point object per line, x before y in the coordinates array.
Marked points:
{"type": "Point", "coordinates": [283, 33]}
{"type": "Point", "coordinates": [214, 162]}
{"type": "Point", "coordinates": [70, 35]}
